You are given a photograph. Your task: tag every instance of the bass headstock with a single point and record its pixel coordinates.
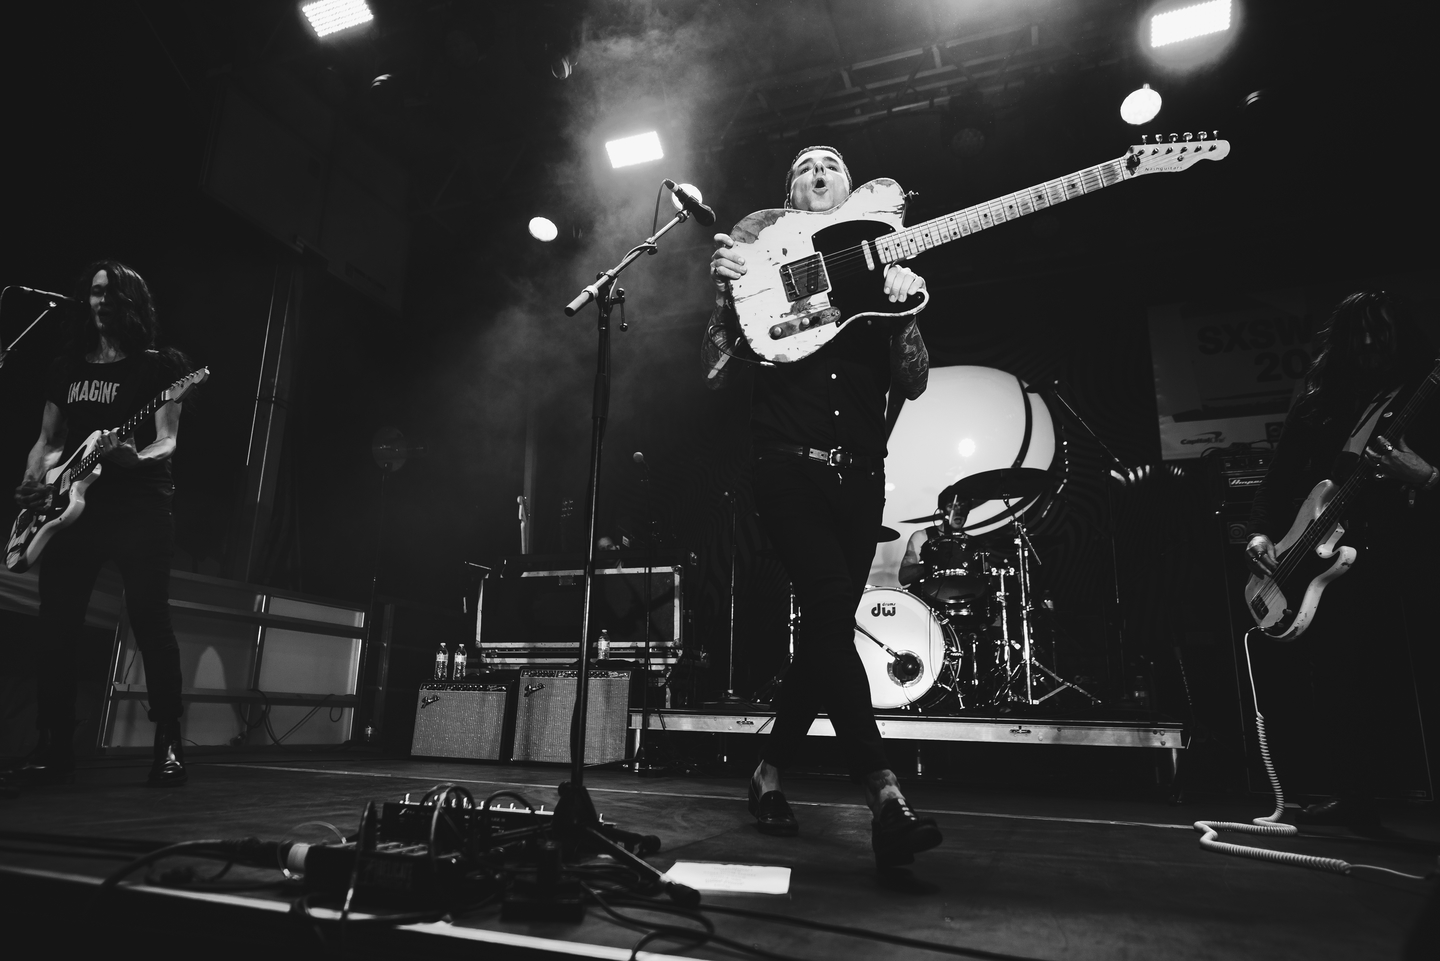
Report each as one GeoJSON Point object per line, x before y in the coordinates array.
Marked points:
{"type": "Point", "coordinates": [1173, 152]}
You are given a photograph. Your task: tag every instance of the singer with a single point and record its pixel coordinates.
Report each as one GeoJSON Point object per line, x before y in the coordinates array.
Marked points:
{"type": "Point", "coordinates": [818, 429]}
{"type": "Point", "coordinates": [109, 369]}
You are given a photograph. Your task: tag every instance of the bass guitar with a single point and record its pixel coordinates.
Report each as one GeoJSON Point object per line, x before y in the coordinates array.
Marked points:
{"type": "Point", "coordinates": [34, 527]}
{"type": "Point", "coordinates": [810, 274]}
{"type": "Point", "coordinates": [1310, 557]}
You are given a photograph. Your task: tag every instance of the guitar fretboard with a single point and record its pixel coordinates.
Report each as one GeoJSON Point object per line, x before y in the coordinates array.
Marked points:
{"type": "Point", "coordinates": [912, 241]}
{"type": "Point", "coordinates": [87, 463]}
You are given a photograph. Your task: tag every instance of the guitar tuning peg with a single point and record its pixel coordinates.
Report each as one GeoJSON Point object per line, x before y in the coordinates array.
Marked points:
{"type": "Point", "coordinates": [1174, 138]}
{"type": "Point", "coordinates": [1144, 138]}
{"type": "Point", "coordinates": [1215, 135]}
{"type": "Point", "coordinates": [1189, 137]}
{"type": "Point", "coordinates": [1202, 135]}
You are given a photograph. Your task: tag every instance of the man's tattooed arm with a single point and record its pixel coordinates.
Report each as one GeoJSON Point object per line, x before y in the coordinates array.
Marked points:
{"type": "Point", "coordinates": [909, 360]}
{"type": "Point", "coordinates": [717, 344]}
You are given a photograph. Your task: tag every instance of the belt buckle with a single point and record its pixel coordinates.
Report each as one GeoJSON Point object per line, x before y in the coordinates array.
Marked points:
{"type": "Point", "coordinates": [837, 458]}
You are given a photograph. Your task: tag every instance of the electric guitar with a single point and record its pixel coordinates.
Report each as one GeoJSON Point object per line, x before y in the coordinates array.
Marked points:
{"type": "Point", "coordinates": [1309, 557]}
{"type": "Point", "coordinates": [810, 274]}
{"type": "Point", "coordinates": [34, 527]}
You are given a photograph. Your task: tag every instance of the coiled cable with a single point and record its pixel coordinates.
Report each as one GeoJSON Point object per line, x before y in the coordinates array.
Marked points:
{"type": "Point", "coordinates": [1270, 824]}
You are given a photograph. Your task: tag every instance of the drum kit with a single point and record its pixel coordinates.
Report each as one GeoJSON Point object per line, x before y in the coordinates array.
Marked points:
{"type": "Point", "coordinates": [965, 632]}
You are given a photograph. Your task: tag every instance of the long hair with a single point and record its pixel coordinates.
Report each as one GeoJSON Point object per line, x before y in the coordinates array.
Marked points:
{"type": "Point", "coordinates": [1335, 381]}
{"type": "Point", "coordinates": [134, 326]}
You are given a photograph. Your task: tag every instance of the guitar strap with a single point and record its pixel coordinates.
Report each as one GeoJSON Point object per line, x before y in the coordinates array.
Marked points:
{"type": "Point", "coordinates": [1365, 427]}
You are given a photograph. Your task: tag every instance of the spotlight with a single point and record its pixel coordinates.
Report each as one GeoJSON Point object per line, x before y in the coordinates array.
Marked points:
{"type": "Point", "coordinates": [332, 16]}
{"type": "Point", "coordinates": [1189, 22]}
{"type": "Point", "coordinates": [639, 149]}
{"type": "Point", "coordinates": [1141, 106]}
{"type": "Point", "coordinates": [543, 229]}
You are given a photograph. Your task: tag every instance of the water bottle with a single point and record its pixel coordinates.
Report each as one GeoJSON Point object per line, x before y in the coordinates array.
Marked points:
{"type": "Point", "coordinates": [602, 646]}
{"type": "Point", "coordinates": [442, 663]}
{"type": "Point", "coordinates": [461, 657]}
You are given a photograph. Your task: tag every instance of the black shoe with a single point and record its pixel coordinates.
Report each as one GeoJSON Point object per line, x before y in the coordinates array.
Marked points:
{"type": "Point", "coordinates": [772, 813]}
{"type": "Point", "coordinates": [1353, 813]}
{"type": "Point", "coordinates": [167, 769]}
{"type": "Point", "coordinates": [897, 835]}
{"type": "Point", "coordinates": [51, 761]}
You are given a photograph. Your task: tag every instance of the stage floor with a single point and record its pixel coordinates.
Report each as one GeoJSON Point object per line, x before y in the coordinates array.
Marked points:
{"type": "Point", "coordinates": [1026, 874]}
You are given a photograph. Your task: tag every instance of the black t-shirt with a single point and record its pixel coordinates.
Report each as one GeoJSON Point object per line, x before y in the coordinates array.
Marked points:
{"type": "Point", "coordinates": [102, 397]}
{"type": "Point", "coordinates": [833, 398]}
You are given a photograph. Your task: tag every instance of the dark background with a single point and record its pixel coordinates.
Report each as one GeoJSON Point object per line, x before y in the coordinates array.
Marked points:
{"type": "Point", "coordinates": [109, 108]}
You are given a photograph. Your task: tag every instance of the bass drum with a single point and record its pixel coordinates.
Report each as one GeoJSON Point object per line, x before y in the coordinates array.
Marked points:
{"type": "Point", "coordinates": [925, 662]}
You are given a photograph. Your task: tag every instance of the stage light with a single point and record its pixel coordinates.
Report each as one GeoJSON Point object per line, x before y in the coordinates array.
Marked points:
{"type": "Point", "coordinates": [332, 16]}
{"type": "Point", "coordinates": [1186, 23]}
{"type": "Point", "coordinates": [543, 229]}
{"type": "Point", "coordinates": [967, 447]}
{"type": "Point", "coordinates": [639, 149]}
{"type": "Point", "coordinates": [1141, 106]}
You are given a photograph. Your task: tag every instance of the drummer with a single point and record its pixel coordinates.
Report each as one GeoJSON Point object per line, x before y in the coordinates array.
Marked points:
{"type": "Point", "coordinates": [951, 514]}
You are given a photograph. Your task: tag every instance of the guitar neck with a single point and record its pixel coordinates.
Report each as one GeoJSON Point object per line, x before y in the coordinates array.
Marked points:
{"type": "Point", "coordinates": [907, 243]}
{"type": "Point", "coordinates": [127, 429]}
{"type": "Point", "coordinates": [1395, 430]}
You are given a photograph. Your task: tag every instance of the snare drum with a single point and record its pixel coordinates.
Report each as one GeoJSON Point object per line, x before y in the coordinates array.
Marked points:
{"type": "Point", "coordinates": [957, 578]}
{"type": "Point", "coordinates": [910, 655]}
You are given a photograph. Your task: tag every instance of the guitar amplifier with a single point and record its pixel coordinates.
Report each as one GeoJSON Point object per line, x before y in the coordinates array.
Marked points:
{"type": "Point", "coordinates": [460, 720]}
{"type": "Point", "coordinates": [1236, 473]}
{"type": "Point", "coordinates": [546, 705]}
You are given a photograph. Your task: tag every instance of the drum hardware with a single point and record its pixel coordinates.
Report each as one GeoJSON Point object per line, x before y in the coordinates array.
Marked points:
{"type": "Point", "coordinates": [1028, 664]}
{"type": "Point", "coordinates": [886, 535]}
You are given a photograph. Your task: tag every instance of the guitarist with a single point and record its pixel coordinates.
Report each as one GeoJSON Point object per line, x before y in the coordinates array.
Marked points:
{"type": "Point", "coordinates": [1368, 353]}
{"type": "Point", "coordinates": [818, 430]}
{"type": "Point", "coordinates": [108, 371]}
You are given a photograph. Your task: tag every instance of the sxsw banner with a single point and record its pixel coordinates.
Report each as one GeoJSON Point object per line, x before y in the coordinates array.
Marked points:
{"type": "Point", "coordinates": [1225, 370]}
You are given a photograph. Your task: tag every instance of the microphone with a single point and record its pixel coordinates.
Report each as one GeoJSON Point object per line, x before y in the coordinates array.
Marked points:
{"type": "Point", "coordinates": [687, 197]}
{"type": "Point", "coordinates": [51, 295]}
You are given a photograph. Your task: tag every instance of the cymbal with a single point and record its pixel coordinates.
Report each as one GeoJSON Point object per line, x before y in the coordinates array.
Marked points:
{"type": "Point", "coordinates": [1007, 483]}
{"type": "Point", "coordinates": [887, 534]}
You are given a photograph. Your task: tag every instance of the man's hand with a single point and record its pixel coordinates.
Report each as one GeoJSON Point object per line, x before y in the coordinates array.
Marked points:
{"type": "Point", "coordinates": [1260, 555]}
{"type": "Point", "coordinates": [116, 449]}
{"type": "Point", "coordinates": [1398, 460]}
{"type": "Point", "coordinates": [901, 282]}
{"type": "Point", "coordinates": [726, 264]}
{"type": "Point", "coordinates": [33, 494]}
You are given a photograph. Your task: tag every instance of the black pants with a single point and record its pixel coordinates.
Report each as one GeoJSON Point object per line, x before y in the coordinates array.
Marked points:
{"type": "Point", "coordinates": [823, 522]}
{"type": "Point", "coordinates": [139, 535]}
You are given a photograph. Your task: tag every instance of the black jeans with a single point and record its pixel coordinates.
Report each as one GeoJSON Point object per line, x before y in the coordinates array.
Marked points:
{"type": "Point", "coordinates": [823, 522]}
{"type": "Point", "coordinates": [139, 535]}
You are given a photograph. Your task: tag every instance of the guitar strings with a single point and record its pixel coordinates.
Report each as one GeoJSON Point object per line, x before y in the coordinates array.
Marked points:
{"type": "Point", "coordinates": [845, 261]}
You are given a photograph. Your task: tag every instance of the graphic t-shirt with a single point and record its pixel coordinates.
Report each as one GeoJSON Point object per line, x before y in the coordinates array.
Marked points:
{"type": "Point", "coordinates": [103, 397]}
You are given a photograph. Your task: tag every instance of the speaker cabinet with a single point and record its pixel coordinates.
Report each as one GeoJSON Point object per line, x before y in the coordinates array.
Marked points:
{"type": "Point", "coordinates": [546, 703]}
{"type": "Point", "coordinates": [460, 720]}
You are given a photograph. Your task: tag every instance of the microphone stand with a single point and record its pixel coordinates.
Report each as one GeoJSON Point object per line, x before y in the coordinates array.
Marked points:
{"type": "Point", "coordinates": [52, 303]}
{"type": "Point", "coordinates": [576, 822]}
{"type": "Point", "coordinates": [1115, 464]}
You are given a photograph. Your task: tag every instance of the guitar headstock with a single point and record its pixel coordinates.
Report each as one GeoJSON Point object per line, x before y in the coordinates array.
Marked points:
{"type": "Point", "coordinates": [1172, 153]}
{"type": "Point", "coordinates": [177, 391]}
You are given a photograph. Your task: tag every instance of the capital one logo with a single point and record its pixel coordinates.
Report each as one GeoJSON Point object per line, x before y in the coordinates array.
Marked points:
{"type": "Point", "coordinates": [883, 610]}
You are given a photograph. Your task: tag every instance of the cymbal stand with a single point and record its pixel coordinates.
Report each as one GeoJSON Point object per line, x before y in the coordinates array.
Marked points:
{"type": "Point", "coordinates": [1029, 663]}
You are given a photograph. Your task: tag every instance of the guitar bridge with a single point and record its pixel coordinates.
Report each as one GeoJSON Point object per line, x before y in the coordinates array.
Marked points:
{"type": "Point", "coordinates": [805, 277]}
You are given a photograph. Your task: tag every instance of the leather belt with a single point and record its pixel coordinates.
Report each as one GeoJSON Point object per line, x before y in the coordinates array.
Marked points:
{"type": "Point", "coordinates": [838, 457]}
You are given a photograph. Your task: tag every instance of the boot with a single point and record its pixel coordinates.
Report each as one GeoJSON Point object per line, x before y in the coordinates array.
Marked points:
{"type": "Point", "coordinates": [51, 761]}
{"type": "Point", "coordinates": [167, 769]}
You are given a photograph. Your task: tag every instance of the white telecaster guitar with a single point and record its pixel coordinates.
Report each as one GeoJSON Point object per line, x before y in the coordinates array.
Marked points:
{"type": "Point", "coordinates": [810, 274]}
{"type": "Point", "coordinates": [34, 527]}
